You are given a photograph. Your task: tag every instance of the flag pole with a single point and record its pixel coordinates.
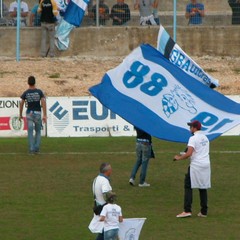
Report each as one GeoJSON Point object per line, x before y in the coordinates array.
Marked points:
{"type": "Point", "coordinates": [174, 20]}
{"type": "Point", "coordinates": [1, 13]}
{"type": "Point", "coordinates": [97, 13]}
{"type": "Point", "coordinates": [18, 31]}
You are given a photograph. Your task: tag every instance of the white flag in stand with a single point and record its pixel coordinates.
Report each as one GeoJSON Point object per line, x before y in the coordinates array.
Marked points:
{"type": "Point", "coordinates": [130, 228]}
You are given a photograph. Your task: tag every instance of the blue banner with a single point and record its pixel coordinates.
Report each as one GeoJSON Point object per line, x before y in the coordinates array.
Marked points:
{"type": "Point", "coordinates": [75, 12]}
{"type": "Point", "coordinates": [73, 17]}
{"type": "Point", "coordinates": [153, 94]}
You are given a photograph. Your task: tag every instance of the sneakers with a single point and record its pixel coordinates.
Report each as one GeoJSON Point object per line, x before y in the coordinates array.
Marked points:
{"type": "Point", "coordinates": [201, 215]}
{"type": "Point", "coordinates": [132, 182]}
{"type": "Point", "coordinates": [144, 184]}
{"type": "Point", "coordinates": [184, 214]}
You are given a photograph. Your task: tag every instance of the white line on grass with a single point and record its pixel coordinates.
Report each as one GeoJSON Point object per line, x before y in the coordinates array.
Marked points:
{"type": "Point", "coordinates": [106, 153]}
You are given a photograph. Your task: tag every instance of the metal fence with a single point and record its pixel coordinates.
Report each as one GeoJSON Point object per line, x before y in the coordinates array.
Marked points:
{"type": "Point", "coordinates": [106, 13]}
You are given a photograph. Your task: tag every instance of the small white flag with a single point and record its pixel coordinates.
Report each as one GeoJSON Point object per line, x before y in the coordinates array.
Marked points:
{"type": "Point", "coordinates": [130, 228]}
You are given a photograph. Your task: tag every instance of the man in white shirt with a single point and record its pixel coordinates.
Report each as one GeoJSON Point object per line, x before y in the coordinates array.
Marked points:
{"type": "Point", "coordinates": [24, 12]}
{"type": "Point", "coordinates": [199, 171]}
{"type": "Point", "coordinates": [101, 188]}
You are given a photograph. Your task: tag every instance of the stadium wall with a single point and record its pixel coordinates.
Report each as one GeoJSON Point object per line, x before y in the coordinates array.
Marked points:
{"type": "Point", "coordinates": [120, 41]}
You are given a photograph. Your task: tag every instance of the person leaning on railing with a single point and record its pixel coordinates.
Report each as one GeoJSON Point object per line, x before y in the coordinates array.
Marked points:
{"type": "Point", "coordinates": [103, 12]}
{"type": "Point", "coordinates": [24, 12]}
{"type": "Point", "coordinates": [235, 5]}
{"type": "Point", "coordinates": [4, 14]}
{"type": "Point", "coordinates": [194, 12]}
{"type": "Point", "coordinates": [145, 8]}
{"type": "Point", "coordinates": [120, 13]}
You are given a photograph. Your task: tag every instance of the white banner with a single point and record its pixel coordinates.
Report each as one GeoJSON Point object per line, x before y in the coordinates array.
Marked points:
{"type": "Point", "coordinates": [130, 228]}
{"type": "Point", "coordinates": [83, 117]}
{"type": "Point", "coordinates": [236, 130]}
{"type": "Point", "coordinates": [59, 125]}
{"type": "Point", "coordinates": [10, 126]}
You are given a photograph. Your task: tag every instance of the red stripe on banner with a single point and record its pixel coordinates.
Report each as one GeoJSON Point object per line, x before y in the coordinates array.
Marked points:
{"type": "Point", "coordinates": [4, 123]}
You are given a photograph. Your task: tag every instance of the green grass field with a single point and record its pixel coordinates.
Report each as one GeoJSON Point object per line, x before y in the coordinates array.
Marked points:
{"type": "Point", "coordinates": [48, 196]}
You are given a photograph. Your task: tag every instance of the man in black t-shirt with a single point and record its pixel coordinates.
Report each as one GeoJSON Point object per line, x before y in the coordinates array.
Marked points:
{"type": "Point", "coordinates": [235, 5]}
{"type": "Point", "coordinates": [120, 13]}
{"type": "Point", "coordinates": [49, 11]}
{"type": "Point", "coordinates": [35, 100]}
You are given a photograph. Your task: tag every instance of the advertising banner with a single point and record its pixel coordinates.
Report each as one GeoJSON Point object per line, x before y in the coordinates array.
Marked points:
{"type": "Point", "coordinates": [236, 130]}
{"type": "Point", "coordinates": [83, 117]}
{"type": "Point", "coordinates": [9, 122]}
{"type": "Point", "coordinates": [72, 117]}
{"type": "Point", "coordinates": [10, 125]}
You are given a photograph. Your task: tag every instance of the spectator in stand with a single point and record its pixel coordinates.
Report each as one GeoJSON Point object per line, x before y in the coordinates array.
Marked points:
{"type": "Point", "coordinates": [155, 12]}
{"type": "Point", "coordinates": [120, 13]}
{"type": "Point", "coordinates": [34, 20]}
{"type": "Point", "coordinates": [103, 12]}
{"type": "Point", "coordinates": [3, 10]}
{"type": "Point", "coordinates": [145, 8]}
{"type": "Point", "coordinates": [194, 12]}
{"type": "Point", "coordinates": [49, 11]}
{"type": "Point", "coordinates": [235, 5]}
{"type": "Point", "coordinates": [3, 15]}
{"type": "Point", "coordinates": [24, 13]}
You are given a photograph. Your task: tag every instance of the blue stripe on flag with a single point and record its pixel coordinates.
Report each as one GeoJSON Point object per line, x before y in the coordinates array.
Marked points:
{"type": "Point", "coordinates": [163, 41]}
{"type": "Point", "coordinates": [74, 14]}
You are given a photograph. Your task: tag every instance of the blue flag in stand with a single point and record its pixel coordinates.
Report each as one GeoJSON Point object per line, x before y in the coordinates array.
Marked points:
{"type": "Point", "coordinates": [153, 94]}
{"type": "Point", "coordinates": [72, 18]}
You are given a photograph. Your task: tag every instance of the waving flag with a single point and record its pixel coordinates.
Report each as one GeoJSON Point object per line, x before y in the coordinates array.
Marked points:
{"type": "Point", "coordinates": [153, 94]}
{"type": "Point", "coordinates": [177, 56]}
{"type": "Point", "coordinates": [73, 17]}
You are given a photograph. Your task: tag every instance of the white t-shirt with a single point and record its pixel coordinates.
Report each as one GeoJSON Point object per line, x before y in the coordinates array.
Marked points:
{"type": "Point", "coordinates": [14, 5]}
{"type": "Point", "coordinates": [200, 171]}
{"type": "Point", "coordinates": [101, 185]}
{"type": "Point", "coordinates": [200, 143]}
{"type": "Point", "coordinates": [111, 212]}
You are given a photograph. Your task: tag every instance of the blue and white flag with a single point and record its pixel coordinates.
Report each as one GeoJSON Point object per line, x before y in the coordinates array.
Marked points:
{"type": "Point", "coordinates": [73, 17]}
{"type": "Point", "coordinates": [177, 56]}
{"type": "Point", "coordinates": [153, 94]}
